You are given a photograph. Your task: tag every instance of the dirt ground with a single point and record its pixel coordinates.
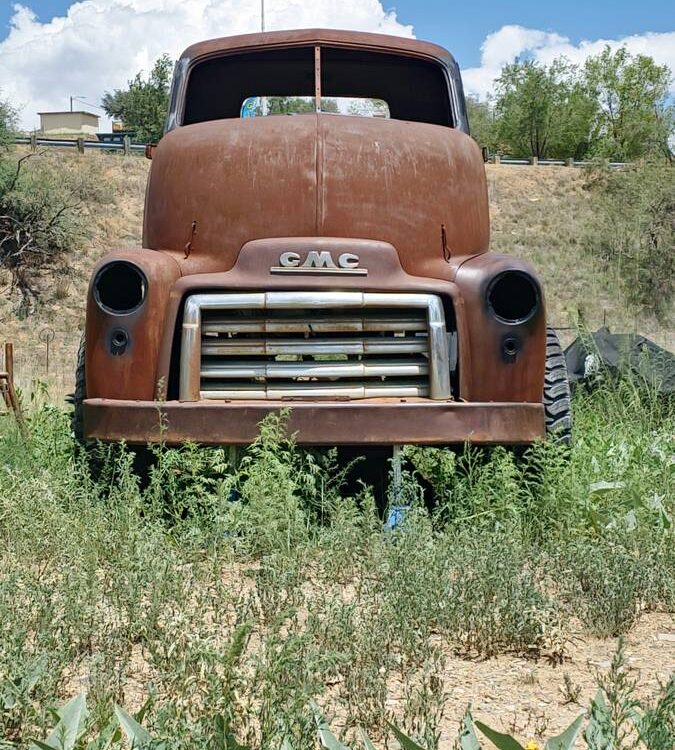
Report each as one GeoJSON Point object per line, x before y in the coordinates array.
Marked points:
{"type": "Point", "coordinates": [528, 698]}
{"type": "Point", "coordinates": [525, 697]}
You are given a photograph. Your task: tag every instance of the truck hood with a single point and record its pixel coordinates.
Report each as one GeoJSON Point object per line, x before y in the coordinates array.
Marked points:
{"type": "Point", "coordinates": [215, 186]}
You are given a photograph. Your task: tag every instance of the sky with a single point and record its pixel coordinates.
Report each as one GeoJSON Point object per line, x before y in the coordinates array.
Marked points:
{"type": "Point", "coordinates": [53, 49]}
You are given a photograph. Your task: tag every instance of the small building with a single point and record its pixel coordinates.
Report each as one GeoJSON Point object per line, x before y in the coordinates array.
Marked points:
{"type": "Point", "coordinates": [68, 124]}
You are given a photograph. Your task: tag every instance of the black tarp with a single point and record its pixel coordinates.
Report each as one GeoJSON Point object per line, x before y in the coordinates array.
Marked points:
{"type": "Point", "coordinates": [622, 354]}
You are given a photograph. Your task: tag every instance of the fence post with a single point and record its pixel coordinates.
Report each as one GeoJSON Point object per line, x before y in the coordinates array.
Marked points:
{"type": "Point", "coordinates": [569, 162]}
{"type": "Point", "coordinates": [127, 145]}
{"type": "Point", "coordinates": [9, 392]}
{"type": "Point", "coordinates": [498, 159]}
{"type": "Point", "coordinates": [80, 145]}
{"type": "Point", "coordinates": [534, 160]}
{"type": "Point", "coordinates": [33, 142]}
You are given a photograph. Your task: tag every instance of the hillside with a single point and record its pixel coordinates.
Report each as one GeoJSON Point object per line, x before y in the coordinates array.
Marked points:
{"type": "Point", "coordinates": [538, 213]}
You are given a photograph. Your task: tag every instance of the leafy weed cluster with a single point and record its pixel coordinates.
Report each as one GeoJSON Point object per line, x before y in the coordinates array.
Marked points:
{"type": "Point", "coordinates": [220, 598]}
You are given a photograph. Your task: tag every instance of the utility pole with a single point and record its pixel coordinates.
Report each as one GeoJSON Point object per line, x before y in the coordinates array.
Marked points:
{"type": "Point", "coordinates": [79, 98]}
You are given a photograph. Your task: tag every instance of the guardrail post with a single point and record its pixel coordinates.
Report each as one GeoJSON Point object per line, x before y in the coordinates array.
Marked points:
{"type": "Point", "coordinates": [498, 159]}
{"type": "Point", "coordinates": [80, 145]}
{"type": "Point", "coordinates": [33, 142]}
{"type": "Point", "coordinates": [127, 145]}
{"type": "Point", "coordinates": [534, 160]}
{"type": "Point", "coordinates": [569, 162]}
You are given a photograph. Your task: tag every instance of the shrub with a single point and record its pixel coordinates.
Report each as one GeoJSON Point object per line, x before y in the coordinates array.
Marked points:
{"type": "Point", "coordinates": [38, 224]}
{"type": "Point", "coordinates": [633, 232]}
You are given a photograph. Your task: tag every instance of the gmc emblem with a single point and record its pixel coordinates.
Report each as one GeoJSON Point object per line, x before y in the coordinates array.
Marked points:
{"type": "Point", "coordinates": [319, 261]}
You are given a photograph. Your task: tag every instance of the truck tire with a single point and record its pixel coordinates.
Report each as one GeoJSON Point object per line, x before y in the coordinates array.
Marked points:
{"type": "Point", "coordinates": [77, 420]}
{"type": "Point", "coordinates": [557, 395]}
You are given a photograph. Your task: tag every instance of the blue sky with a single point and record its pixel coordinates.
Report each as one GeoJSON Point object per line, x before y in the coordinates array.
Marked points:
{"type": "Point", "coordinates": [463, 27]}
{"type": "Point", "coordinates": [53, 49]}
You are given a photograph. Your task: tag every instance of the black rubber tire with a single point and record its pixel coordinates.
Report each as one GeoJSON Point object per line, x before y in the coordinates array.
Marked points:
{"type": "Point", "coordinates": [77, 420]}
{"type": "Point", "coordinates": [557, 395]}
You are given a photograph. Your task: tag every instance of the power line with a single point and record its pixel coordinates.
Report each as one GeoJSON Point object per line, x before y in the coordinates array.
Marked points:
{"type": "Point", "coordinates": [81, 99]}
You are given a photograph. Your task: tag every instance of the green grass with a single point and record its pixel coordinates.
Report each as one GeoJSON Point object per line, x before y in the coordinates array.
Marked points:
{"type": "Point", "coordinates": [228, 600]}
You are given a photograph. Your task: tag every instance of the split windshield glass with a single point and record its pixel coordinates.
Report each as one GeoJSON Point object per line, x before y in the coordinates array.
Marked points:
{"type": "Point", "coordinates": [352, 81]}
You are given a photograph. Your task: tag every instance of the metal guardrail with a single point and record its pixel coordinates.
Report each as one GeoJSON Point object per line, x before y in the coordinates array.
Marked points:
{"type": "Point", "coordinates": [81, 145]}
{"type": "Point", "coordinates": [533, 162]}
{"type": "Point", "coordinates": [128, 147]}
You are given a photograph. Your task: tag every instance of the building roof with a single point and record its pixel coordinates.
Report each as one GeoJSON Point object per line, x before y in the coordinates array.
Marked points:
{"type": "Point", "coordinates": [75, 112]}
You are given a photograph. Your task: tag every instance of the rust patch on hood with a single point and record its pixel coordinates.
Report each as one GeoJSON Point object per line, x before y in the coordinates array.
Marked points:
{"type": "Point", "coordinates": [316, 175]}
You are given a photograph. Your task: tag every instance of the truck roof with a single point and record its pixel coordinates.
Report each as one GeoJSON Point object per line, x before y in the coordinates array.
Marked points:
{"type": "Point", "coordinates": [361, 39]}
{"type": "Point", "coordinates": [410, 86]}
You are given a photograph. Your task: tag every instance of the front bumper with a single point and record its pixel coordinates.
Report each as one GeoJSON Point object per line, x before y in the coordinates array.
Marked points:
{"type": "Point", "coordinates": [364, 422]}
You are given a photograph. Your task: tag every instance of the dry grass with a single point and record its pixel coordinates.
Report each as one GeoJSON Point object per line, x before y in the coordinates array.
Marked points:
{"type": "Point", "coordinates": [537, 213]}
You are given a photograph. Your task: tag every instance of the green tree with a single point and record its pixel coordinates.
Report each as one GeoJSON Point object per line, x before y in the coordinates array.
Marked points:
{"type": "Point", "coordinates": [293, 105]}
{"type": "Point", "coordinates": [543, 111]}
{"type": "Point", "coordinates": [482, 122]}
{"type": "Point", "coordinates": [8, 123]}
{"type": "Point", "coordinates": [634, 117]}
{"type": "Point", "coordinates": [143, 105]}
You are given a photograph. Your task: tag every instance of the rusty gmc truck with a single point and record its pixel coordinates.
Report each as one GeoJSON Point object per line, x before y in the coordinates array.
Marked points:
{"type": "Point", "coordinates": [334, 261]}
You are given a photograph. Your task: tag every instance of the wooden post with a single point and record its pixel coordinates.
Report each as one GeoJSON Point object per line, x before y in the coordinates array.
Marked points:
{"type": "Point", "coordinates": [127, 145]}
{"type": "Point", "coordinates": [534, 160]}
{"type": "Point", "coordinates": [498, 159]}
{"type": "Point", "coordinates": [569, 162]}
{"type": "Point", "coordinates": [8, 390]}
{"type": "Point", "coordinates": [80, 145]}
{"type": "Point", "coordinates": [33, 142]}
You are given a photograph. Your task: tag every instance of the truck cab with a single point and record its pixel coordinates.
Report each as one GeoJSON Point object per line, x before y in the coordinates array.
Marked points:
{"type": "Point", "coordinates": [316, 237]}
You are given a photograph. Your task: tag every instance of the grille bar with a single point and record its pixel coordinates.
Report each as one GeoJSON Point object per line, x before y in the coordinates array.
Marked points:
{"type": "Point", "coordinates": [402, 345]}
{"type": "Point", "coordinates": [346, 324]}
{"type": "Point", "coordinates": [277, 345]}
{"type": "Point", "coordinates": [280, 392]}
{"type": "Point", "coordinates": [367, 369]}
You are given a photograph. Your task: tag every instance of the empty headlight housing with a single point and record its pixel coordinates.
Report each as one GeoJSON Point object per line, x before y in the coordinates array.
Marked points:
{"type": "Point", "coordinates": [513, 297]}
{"type": "Point", "coordinates": [120, 287]}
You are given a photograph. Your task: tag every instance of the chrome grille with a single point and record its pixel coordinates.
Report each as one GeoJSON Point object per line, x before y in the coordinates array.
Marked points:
{"type": "Point", "coordinates": [285, 345]}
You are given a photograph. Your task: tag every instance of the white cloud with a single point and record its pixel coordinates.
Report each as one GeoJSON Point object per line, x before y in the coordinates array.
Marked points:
{"type": "Point", "coordinates": [509, 42]}
{"type": "Point", "coordinates": [100, 44]}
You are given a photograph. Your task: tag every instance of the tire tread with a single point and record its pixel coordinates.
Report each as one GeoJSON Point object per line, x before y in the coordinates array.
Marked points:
{"type": "Point", "coordinates": [557, 397]}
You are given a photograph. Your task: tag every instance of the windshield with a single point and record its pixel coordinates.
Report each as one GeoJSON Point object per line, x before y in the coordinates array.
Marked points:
{"type": "Point", "coordinates": [346, 80]}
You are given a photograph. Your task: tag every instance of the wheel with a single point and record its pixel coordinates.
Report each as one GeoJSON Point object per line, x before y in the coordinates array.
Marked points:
{"type": "Point", "coordinates": [557, 395]}
{"type": "Point", "coordinates": [77, 420]}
